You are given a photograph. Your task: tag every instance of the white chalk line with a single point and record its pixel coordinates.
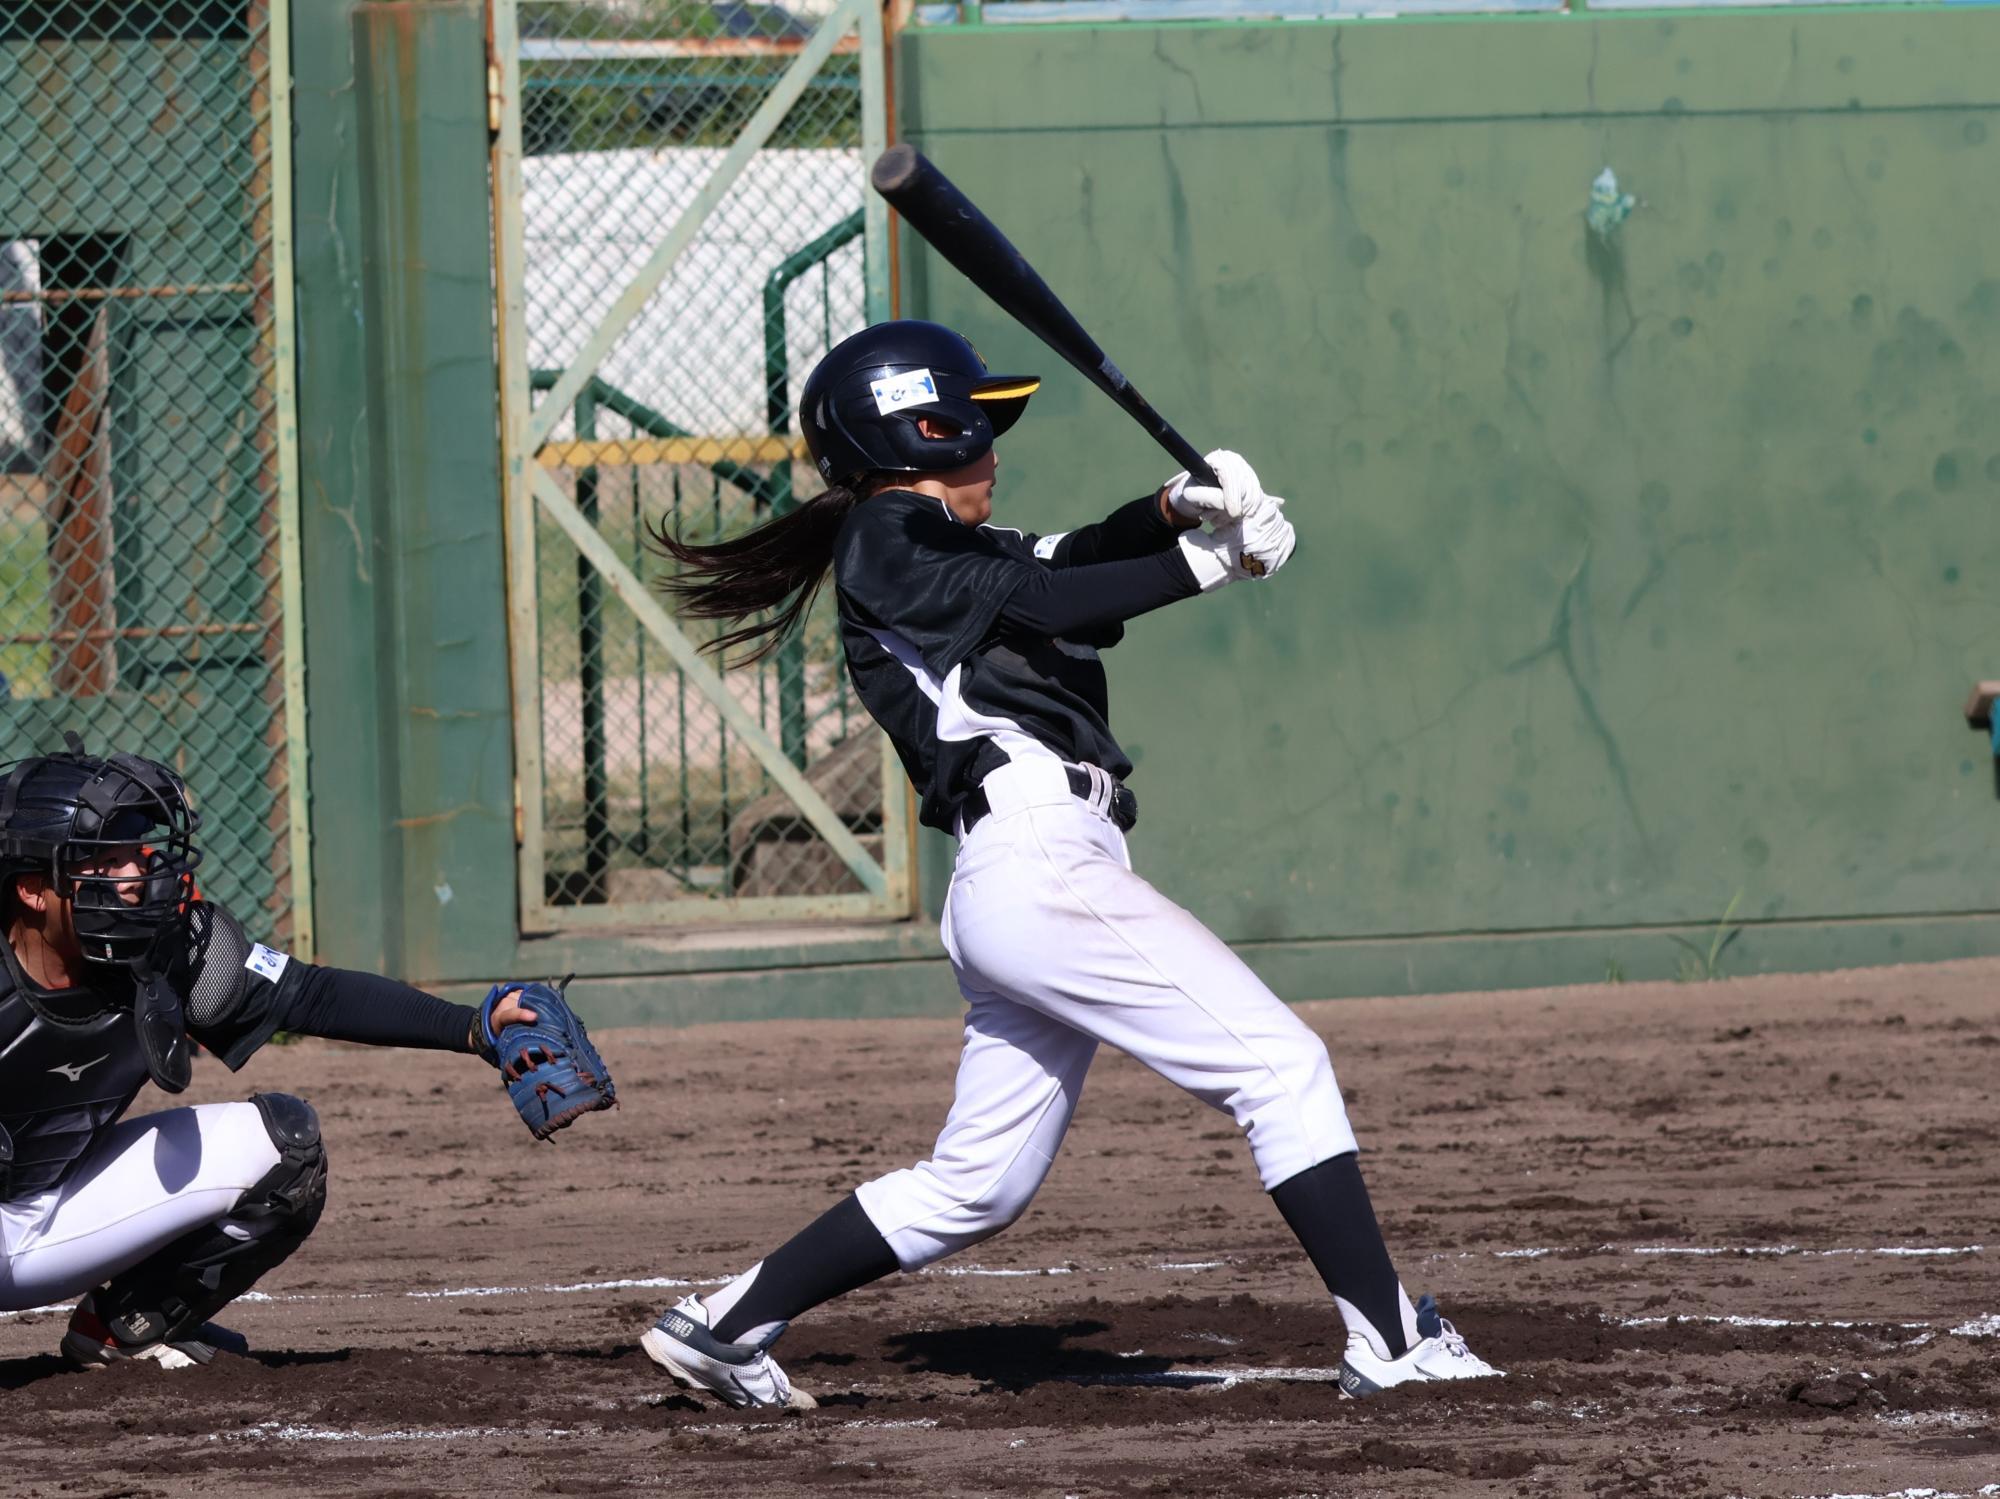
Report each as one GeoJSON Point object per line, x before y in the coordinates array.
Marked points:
{"type": "Point", "coordinates": [1794, 1249]}
{"type": "Point", "coordinates": [651, 1282]}
{"type": "Point", "coordinates": [1719, 1251]}
{"type": "Point", "coordinates": [1221, 1379]}
{"type": "Point", "coordinates": [1003, 1273]}
{"type": "Point", "coordinates": [791, 1423]}
{"type": "Point", "coordinates": [290, 1431]}
{"type": "Point", "coordinates": [640, 1283]}
{"type": "Point", "coordinates": [633, 1283]}
{"type": "Point", "coordinates": [1956, 1420]}
{"type": "Point", "coordinates": [1987, 1492]}
{"type": "Point", "coordinates": [1735, 1321]}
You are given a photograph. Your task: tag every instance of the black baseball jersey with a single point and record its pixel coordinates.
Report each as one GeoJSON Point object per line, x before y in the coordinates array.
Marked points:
{"type": "Point", "coordinates": [71, 1061]}
{"type": "Point", "coordinates": [960, 675]}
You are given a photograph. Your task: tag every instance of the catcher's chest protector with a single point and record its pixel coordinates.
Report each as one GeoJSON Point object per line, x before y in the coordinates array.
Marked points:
{"type": "Point", "coordinates": [60, 1086]}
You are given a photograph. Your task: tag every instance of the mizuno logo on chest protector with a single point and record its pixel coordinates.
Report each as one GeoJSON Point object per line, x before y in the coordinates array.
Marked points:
{"type": "Point", "coordinates": [74, 1071]}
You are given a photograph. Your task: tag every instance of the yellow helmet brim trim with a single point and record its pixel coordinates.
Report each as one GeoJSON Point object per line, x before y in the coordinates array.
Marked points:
{"type": "Point", "coordinates": [1006, 390]}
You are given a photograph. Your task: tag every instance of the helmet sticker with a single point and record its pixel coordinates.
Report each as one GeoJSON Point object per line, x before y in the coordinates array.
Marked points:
{"type": "Point", "coordinates": [911, 388]}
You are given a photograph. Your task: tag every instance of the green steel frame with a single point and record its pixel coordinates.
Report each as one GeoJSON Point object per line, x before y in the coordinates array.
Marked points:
{"type": "Point", "coordinates": [777, 385]}
{"type": "Point", "coordinates": [532, 490]}
{"type": "Point", "coordinates": [291, 572]}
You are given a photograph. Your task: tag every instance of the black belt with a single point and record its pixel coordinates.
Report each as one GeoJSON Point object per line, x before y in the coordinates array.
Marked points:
{"type": "Point", "coordinates": [1123, 809]}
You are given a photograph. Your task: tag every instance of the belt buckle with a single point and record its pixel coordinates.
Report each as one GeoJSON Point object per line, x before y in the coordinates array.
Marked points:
{"type": "Point", "coordinates": [1124, 809]}
{"type": "Point", "coordinates": [1102, 789]}
{"type": "Point", "coordinates": [1107, 794]}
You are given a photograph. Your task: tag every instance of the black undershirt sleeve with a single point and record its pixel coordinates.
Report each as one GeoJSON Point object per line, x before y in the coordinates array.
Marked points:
{"type": "Point", "coordinates": [1137, 529]}
{"type": "Point", "coordinates": [343, 1005]}
{"type": "Point", "coordinates": [239, 994]}
{"type": "Point", "coordinates": [335, 1003]}
{"type": "Point", "coordinates": [1065, 600]}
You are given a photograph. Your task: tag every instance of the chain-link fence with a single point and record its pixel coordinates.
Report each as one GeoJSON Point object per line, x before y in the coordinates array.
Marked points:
{"type": "Point", "coordinates": [686, 422]}
{"type": "Point", "coordinates": [139, 471]}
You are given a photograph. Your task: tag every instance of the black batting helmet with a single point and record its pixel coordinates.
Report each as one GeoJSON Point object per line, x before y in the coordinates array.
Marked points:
{"type": "Point", "coordinates": [60, 815]}
{"type": "Point", "coordinates": [861, 403]}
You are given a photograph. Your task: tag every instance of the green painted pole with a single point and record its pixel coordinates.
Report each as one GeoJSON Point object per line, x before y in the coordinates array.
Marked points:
{"type": "Point", "coordinates": [778, 415]}
{"type": "Point", "coordinates": [645, 843]}
{"type": "Point", "coordinates": [590, 681]}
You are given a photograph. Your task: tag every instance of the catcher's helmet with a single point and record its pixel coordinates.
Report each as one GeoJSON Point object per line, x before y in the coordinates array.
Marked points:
{"type": "Point", "coordinates": [861, 403]}
{"type": "Point", "coordinates": [60, 814]}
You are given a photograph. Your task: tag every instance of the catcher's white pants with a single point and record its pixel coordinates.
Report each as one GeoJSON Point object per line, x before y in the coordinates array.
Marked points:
{"type": "Point", "coordinates": [1058, 945]}
{"type": "Point", "coordinates": [145, 1183]}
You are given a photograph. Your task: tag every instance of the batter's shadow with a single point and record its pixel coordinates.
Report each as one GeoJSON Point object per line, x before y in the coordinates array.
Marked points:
{"type": "Point", "coordinates": [1020, 1357]}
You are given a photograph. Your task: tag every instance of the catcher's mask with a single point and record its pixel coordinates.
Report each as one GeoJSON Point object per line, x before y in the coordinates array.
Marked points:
{"type": "Point", "coordinates": [862, 404]}
{"type": "Point", "coordinates": [67, 816]}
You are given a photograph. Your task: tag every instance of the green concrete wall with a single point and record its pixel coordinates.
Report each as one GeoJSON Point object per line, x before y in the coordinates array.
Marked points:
{"type": "Point", "coordinates": [412, 770]}
{"type": "Point", "coordinates": [1637, 575]}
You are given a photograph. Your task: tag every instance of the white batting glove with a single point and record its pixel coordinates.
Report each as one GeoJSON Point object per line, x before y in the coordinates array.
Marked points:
{"type": "Point", "coordinates": [1208, 503]}
{"type": "Point", "coordinates": [1267, 535]}
{"type": "Point", "coordinates": [1215, 558]}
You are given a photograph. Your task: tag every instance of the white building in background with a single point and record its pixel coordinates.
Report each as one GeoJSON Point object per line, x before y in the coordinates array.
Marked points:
{"type": "Point", "coordinates": [695, 353]}
{"type": "Point", "coordinates": [20, 353]}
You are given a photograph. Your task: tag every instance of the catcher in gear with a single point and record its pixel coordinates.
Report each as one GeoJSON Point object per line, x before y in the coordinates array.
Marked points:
{"type": "Point", "coordinates": [977, 648]}
{"type": "Point", "coordinates": [112, 965]}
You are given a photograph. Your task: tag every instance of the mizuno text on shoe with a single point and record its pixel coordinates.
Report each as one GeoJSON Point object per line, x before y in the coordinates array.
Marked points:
{"type": "Point", "coordinates": [739, 1374]}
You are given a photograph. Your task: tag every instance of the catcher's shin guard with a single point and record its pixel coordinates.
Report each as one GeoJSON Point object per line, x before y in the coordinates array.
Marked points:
{"type": "Point", "coordinates": [180, 1286]}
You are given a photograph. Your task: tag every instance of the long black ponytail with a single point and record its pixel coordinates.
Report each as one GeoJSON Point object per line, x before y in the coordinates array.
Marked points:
{"type": "Point", "coordinates": [767, 577]}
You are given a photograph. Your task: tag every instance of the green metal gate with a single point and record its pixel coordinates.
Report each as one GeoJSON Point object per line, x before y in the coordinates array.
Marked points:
{"type": "Point", "coordinates": [148, 544]}
{"type": "Point", "coordinates": [681, 229]}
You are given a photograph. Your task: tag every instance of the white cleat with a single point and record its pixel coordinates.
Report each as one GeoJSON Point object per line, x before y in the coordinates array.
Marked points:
{"type": "Point", "coordinates": [739, 1374]}
{"type": "Point", "coordinates": [1440, 1353]}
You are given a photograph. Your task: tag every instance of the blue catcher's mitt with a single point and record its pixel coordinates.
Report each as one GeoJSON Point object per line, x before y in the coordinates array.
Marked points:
{"type": "Point", "coordinates": [552, 1073]}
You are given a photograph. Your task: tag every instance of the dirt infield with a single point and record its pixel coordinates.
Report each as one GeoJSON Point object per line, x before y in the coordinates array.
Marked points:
{"type": "Point", "coordinates": [1735, 1238]}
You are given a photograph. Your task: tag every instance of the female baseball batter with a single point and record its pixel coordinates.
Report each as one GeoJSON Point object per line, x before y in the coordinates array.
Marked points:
{"type": "Point", "coordinates": [109, 964]}
{"type": "Point", "coordinates": [976, 648]}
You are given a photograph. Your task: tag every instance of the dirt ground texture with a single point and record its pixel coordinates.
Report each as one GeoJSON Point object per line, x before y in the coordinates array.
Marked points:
{"type": "Point", "coordinates": [1730, 1238]}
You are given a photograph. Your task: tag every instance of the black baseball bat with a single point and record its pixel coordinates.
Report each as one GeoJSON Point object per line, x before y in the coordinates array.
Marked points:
{"type": "Point", "coordinates": [947, 219]}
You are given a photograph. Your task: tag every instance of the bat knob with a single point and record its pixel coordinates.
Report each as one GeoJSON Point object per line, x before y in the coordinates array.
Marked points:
{"type": "Point", "coordinates": [1253, 565]}
{"type": "Point", "coordinates": [896, 168]}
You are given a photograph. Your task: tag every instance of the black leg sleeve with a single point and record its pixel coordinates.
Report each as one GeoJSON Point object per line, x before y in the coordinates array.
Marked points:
{"type": "Point", "coordinates": [837, 1252]}
{"type": "Point", "coordinates": [1327, 1206]}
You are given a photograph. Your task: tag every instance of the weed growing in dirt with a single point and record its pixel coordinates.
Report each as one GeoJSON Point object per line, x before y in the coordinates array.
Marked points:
{"type": "Point", "coordinates": [1700, 965]}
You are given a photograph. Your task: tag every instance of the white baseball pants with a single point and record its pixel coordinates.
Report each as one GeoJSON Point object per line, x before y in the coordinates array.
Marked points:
{"type": "Point", "coordinates": [147, 1182]}
{"type": "Point", "coordinates": [1058, 945]}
